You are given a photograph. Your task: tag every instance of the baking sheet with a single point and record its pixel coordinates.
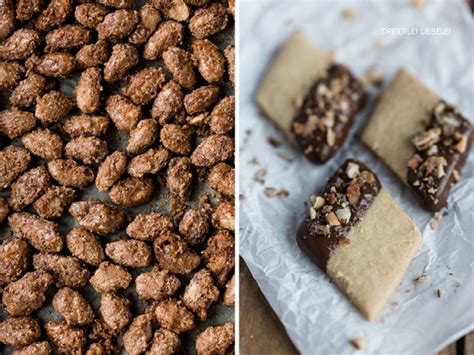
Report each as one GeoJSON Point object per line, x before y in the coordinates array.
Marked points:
{"type": "Point", "coordinates": [116, 140]}
{"type": "Point", "coordinates": [318, 318]}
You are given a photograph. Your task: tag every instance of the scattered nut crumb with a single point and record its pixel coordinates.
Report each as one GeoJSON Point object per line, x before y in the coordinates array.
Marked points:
{"type": "Point", "coordinates": [418, 4]}
{"type": "Point", "coordinates": [423, 279]}
{"type": "Point", "coordinates": [273, 192]}
{"type": "Point", "coordinates": [358, 343]}
{"type": "Point", "coordinates": [348, 14]}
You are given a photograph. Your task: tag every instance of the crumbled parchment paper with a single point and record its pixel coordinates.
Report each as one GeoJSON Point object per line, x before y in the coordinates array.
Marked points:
{"type": "Point", "coordinates": [317, 316]}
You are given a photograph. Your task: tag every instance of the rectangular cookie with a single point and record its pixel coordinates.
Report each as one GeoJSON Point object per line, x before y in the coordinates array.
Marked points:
{"type": "Point", "coordinates": [359, 235]}
{"type": "Point", "coordinates": [421, 138]}
{"type": "Point", "coordinates": [311, 99]}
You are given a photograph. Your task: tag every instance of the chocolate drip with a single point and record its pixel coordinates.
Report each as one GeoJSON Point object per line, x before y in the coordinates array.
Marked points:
{"type": "Point", "coordinates": [327, 113]}
{"type": "Point", "coordinates": [348, 194]}
{"type": "Point", "coordinates": [441, 152]}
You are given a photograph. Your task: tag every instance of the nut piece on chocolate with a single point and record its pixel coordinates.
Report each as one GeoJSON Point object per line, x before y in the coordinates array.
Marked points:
{"type": "Point", "coordinates": [229, 296]}
{"type": "Point", "coordinates": [150, 162]}
{"type": "Point", "coordinates": [55, 14]}
{"type": "Point", "coordinates": [149, 20]}
{"type": "Point", "coordinates": [149, 226]}
{"type": "Point", "coordinates": [67, 270]}
{"type": "Point", "coordinates": [229, 54]}
{"type": "Point", "coordinates": [54, 202]}
{"type": "Point", "coordinates": [19, 331]}
{"type": "Point", "coordinates": [89, 14]}
{"type": "Point", "coordinates": [70, 173]}
{"type": "Point", "coordinates": [180, 65]}
{"type": "Point", "coordinates": [86, 126]}
{"type": "Point", "coordinates": [11, 74]}
{"type": "Point", "coordinates": [96, 349]}
{"type": "Point", "coordinates": [209, 60]}
{"type": "Point", "coordinates": [173, 315]}
{"type": "Point", "coordinates": [110, 278]}
{"type": "Point", "coordinates": [85, 246]}
{"type": "Point", "coordinates": [201, 99]}
{"type": "Point", "coordinates": [168, 102]}
{"type": "Point", "coordinates": [131, 191]}
{"type": "Point", "coordinates": [138, 335]}
{"type": "Point", "coordinates": [53, 107]}
{"type": "Point", "coordinates": [92, 55]}
{"type": "Point", "coordinates": [117, 25]}
{"type": "Point", "coordinates": [13, 162]}
{"type": "Point", "coordinates": [177, 138]}
{"type": "Point", "coordinates": [14, 260]}
{"type": "Point", "coordinates": [174, 255]}
{"type": "Point", "coordinates": [215, 340]}
{"type": "Point", "coordinates": [89, 150]}
{"type": "Point", "coordinates": [88, 90]}
{"type": "Point", "coordinates": [194, 226]}
{"type": "Point", "coordinates": [221, 119]}
{"type": "Point", "coordinates": [142, 136]}
{"type": "Point", "coordinates": [73, 307]}
{"type": "Point", "coordinates": [29, 89]}
{"type": "Point", "coordinates": [201, 293]}
{"type": "Point", "coordinates": [124, 57]}
{"type": "Point", "coordinates": [144, 85]}
{"type": "Point", "coordinates": [168, 34]}
{"type": "Point", "coordinates": [111, 170]}
{"type": "Point", "coordinates": [123, 113]}
{"type": "Point", "coordinates": [221, 178]}
{"type": "Point", "coordinates": [66, 338]}
{"type": "Point", "coordinates": [156, 285]}
{"type": "Point", "coordinates": [208, 20]}
{"type": "Point", "coordinates": [98, 217]}
{"type": "Point", "coordinates": [130, 252]}
{"type": "Point", "coordinates": [20, 45]}
{"type": "Point", "coordinates": [179, 177]}
{"type": "Point", "coordinates": [219, 255]}
{"type": "Point", "coordinates": [15, 122]}
{"type": "Point", "coordinates": [164, 342]}
{"type": "Point", "coordinates": [43, 143]}
{"type": "Point", "coordinates": [67, 37]}
{"type": "Point", "coordinates": [26, 295]}
{"type": "Point", "coordinates": [38, 348]}
{"type": "Point", "coordinates": [40, 233]}
{"type": "Point", "coordinates": [213, 150]}
{"type": "Point", "coordinates": [29, 187]}
{"type": "Point", "coordinates": [58, 64]}
{"type": "Point", "coordinates": [115, 310]}
{"type": "Point", "coordinates": [224, 216]}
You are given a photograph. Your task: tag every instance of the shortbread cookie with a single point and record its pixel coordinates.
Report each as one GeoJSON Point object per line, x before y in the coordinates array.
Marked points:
{"type": "Point", "coordinates": [421, 138]}
{"type": "Point", "coordinates": [311, 99]}
{"type": "Point", "coordinates": [359, 235]}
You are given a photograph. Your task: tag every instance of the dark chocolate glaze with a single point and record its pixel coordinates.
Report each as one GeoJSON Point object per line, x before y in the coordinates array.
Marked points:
{"type": "Point", "coordinates": [316, 237]}
{"type": "Point", "coordinates": [432, 190]}
{"type": "Point", "coordinates": [339, 95]}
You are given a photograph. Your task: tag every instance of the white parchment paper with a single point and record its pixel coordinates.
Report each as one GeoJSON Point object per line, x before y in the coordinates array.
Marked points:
{"type": "Point", "coordinates": [318, 318]}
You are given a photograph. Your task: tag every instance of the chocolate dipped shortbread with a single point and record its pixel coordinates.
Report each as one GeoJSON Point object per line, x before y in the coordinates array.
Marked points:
{"type": "Point", "coordinates": [310, 98]}
{"type": "Point", "coordinates": [424, 140]}
{"type": "Point", "coordinates": [357, 233]}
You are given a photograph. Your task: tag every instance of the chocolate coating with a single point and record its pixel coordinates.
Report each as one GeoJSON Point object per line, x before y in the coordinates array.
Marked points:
{"type": "Point", "coordinates": [319, 235]}
{"type": "Point", "coordinates": [441, 152]}
{"type": "Point", "coordinates": [322, 123]}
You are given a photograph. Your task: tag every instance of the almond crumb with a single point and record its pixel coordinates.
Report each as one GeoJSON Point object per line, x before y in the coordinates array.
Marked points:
{"type": "Point", "coordinates": [423, 279]}
{"type": "Point", "coordinates": [418, 4]}
{"type": "Point", "coordinates": [358, 343]}
{"type": "Point", "coordinates": [348, 14]}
